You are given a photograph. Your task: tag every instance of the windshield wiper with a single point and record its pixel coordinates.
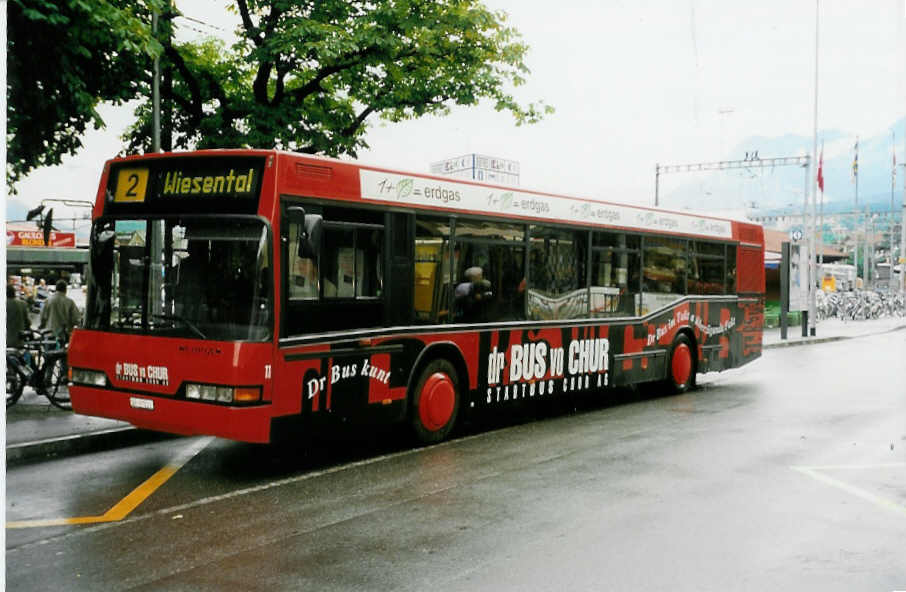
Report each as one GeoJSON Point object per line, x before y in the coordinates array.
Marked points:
{"type": "Point", "coordinates": [183, 320]}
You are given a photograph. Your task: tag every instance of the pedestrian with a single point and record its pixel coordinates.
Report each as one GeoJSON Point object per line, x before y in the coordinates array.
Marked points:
{"type": "Point", "coordinates": [16, 317]}
{"type": "Point", "coordinates": [61, 312]}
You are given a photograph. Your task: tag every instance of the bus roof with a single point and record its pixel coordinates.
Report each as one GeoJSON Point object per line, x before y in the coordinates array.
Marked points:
{"type": "Point", "coordinates": [332, 178]}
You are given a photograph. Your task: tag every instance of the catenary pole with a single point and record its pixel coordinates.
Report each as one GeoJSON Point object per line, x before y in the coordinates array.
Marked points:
{"type": "Point", "coordinates": [891, 217]}
{"type": "Point", "coordinates": [155, 92]}
{"type": "Point", "coordinates": [868, 247]}
{"type": "Point", "coordinates": [805, 252]}
{"type": "Point", "coordinates": [903, 224]}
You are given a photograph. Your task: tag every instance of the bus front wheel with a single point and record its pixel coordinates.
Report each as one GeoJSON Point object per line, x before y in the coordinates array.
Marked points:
{"type": "Point", "coordinates": [682, 367]}
{"type": "Point", "coordinates": [435, 402]}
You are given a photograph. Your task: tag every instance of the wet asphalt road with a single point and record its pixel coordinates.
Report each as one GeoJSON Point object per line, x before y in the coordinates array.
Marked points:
{"type": "Point", "coordinates": [788, 474]}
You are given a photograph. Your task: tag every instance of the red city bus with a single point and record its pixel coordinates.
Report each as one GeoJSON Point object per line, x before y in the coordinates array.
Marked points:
{"type": "Point", "coordinates": [234, 291]}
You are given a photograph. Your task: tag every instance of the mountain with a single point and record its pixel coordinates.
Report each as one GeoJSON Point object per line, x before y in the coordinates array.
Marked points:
{"type": "Point", "coordinates": [779, 189]}
{"type": "Point", "coordinates": [15, 209]}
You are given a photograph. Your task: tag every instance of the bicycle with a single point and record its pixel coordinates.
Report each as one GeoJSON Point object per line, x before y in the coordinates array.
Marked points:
{"type": "Point", "coordinates": [40, 363]}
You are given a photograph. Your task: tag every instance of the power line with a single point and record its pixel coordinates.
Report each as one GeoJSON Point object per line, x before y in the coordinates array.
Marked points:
{"type": "Point", "coordinates": [754, 162]}
{"type": "Point", "coordinates": [200, 22]}
{"type": "Point", "coordinates": [751, 161]}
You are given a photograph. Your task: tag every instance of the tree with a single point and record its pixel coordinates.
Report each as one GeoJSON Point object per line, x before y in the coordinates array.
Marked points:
{"type": "Point", "coordinates": [307, 75]}
{"type": "Point", "coordinates": [64, 57]}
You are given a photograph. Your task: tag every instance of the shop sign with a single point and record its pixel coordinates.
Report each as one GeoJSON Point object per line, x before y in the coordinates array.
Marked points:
{"type": "Point", "coordinates": [35, 238]}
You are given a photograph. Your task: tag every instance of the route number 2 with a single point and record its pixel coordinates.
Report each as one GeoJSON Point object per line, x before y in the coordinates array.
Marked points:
{"type": "Point", "coordinates": [131, 185]}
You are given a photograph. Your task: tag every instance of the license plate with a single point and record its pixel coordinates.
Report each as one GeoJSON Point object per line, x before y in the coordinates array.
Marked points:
{"type": "Point", "coordinates": [137, 403]}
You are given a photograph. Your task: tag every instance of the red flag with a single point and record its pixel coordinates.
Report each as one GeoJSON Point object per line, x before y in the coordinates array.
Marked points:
{"type": "Point", "coordinates": [856, 161]}
{"type": "Point", "coordinates": [821, 169]}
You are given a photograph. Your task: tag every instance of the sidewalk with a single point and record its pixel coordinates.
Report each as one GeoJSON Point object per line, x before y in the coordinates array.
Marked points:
{"type": "Point", "coordinates": [36, 430]}
{"type": "Point", "coordinates": [832, 330]}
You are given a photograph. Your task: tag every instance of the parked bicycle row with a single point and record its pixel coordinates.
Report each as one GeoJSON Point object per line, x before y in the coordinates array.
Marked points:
{"type": "Point", "coordinates": [37, 358]}
{"type": "Point", "coordinates": [859, 305]}
{"type": "Point", "coordinates": [41, 364]}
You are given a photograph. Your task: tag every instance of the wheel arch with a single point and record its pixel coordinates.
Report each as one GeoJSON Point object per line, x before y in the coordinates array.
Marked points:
{"type": "Point", "coordinates": [443, 349]}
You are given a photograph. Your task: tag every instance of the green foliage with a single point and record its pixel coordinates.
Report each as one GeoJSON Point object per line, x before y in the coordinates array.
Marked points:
{"type": "Point", "coordinates": [64, 57]}
{"type": "Point", "coordinates": [304, 75]}
{"type": "Point", "coordinates": [307, 75]}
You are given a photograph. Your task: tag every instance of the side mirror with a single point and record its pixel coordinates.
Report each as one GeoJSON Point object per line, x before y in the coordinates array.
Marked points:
{"type": "Point", "coordinates": [103, 243]}
{"type": "Point", "coordinates": [310, 242]}
{"type": "Point", "coordinates": [101, 261]}
{"type": "Point", "coordinates": [296, 214]}
{"type": "Point", "coordinates": [310, 238]}
{"type": "Point", "coordinates": [104, 236]}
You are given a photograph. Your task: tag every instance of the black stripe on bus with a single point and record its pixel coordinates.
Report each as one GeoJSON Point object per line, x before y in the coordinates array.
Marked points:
{"type": "Point", "coordinates": [346, 352]}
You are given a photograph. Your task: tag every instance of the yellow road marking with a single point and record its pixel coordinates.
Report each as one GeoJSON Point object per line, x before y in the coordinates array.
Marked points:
{"type": "Point", "coordinates": [814, 473]}
{"type": "Point", "coordinates": [126, 505]}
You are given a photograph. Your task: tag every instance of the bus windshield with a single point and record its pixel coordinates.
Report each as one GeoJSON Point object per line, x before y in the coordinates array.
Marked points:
{"type": "Point", "coordinates": [196, 277]}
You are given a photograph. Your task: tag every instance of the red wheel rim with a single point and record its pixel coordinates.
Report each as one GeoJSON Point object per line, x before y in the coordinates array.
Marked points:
{"type": "Point", "coordinates": [436, 401]}
{"type": "Point", "coordinates": [681, 365]}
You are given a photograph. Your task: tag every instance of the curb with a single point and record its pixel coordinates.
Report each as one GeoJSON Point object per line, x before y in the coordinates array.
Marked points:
{"type": "Point", "coordinates": [809, 341]}
{"type": "Point", "coordinates": [27, 452]}
{"type": "Point", "coordinates": [813, 340]}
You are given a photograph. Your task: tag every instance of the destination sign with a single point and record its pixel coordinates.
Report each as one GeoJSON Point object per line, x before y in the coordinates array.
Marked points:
{"type": "Point", "coordinates": [376, 185]}
{"type": "Point", "coordinates": [185, 184]}
{"type": "Point", "coordinates": [178, 183]}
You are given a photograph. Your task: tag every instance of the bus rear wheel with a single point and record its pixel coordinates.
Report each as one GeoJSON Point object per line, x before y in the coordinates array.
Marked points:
{"type": "Point", "coordinates": [435, 402]}
{"type": "Point", "coordinates": [682, 368]}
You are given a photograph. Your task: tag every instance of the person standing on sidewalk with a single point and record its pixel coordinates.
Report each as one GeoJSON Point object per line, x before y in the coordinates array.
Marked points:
{"type": "Point", "coordinates": [62, 313]}
{"type": "Point", "coordinates": [16, 317]}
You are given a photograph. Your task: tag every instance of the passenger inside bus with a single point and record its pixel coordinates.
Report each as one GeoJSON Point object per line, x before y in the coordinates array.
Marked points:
{"type": "Point", "coordinates": [472, 295]}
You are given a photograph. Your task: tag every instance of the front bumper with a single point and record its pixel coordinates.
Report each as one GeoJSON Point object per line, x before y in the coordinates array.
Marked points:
{"type": "Point", "coordinates": [176, 416]}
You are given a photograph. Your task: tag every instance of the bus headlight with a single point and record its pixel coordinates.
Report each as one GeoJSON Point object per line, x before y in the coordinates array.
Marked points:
{"type": "Point", "coordinates": [223, 394]}
{"type": "Point", "coordinates": [89, 377]}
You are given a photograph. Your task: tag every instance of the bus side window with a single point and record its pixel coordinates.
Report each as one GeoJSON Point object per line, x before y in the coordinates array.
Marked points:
{"type": "Point", "coordinates": [706, 268]}
{"type": "Point", "coordinates": [431, 277]}
{"type": "Point", "coordinates": [664, 273]}
{"type": "Point", "coordinates": [351, 260]}
{"type": "Point", "coordinates": [614, 274]}
{"type": "Point", "coordinates": [557, 270]}
{"type": "Point", "coordinates": [498, 292]}
{"type": "Point", "coordinates": [731, 269]}
{"type": "Point", "coordinates": [369, 273]}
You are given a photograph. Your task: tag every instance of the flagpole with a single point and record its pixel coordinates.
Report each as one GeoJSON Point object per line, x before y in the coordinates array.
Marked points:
{"type": "Point", "coordinates": [855, 176]}
{"type": "Point", "coordinates": [821, 209]}
{"type": "Point", "coordinates": [812, 261]}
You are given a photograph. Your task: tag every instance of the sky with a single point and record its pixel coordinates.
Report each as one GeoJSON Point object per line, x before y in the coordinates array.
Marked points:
{"type": "Point", "coordinates": [634, 83]}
